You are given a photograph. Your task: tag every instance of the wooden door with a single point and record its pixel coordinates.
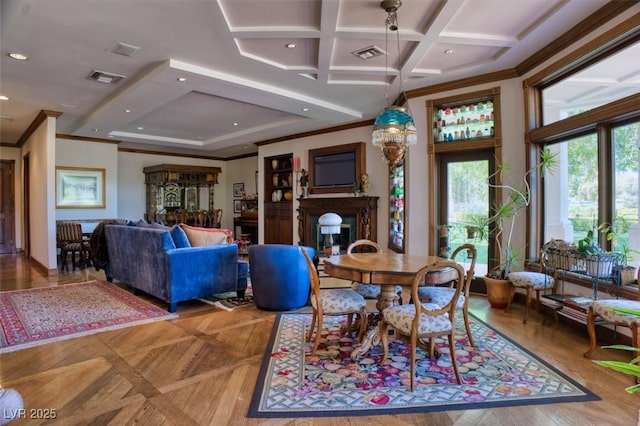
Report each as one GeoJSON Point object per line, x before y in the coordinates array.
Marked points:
{"type": "Point", "coordinates": [7, 202]}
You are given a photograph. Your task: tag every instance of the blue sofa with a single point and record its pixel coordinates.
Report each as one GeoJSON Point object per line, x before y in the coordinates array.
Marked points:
{"type": "Point", "coordinates": [160, 261]}
{"type": "Point", "coordinates": [279, 276]}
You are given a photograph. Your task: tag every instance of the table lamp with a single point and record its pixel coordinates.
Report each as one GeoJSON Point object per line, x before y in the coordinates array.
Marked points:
{"type": "Point", "coordinates": [329, 225]}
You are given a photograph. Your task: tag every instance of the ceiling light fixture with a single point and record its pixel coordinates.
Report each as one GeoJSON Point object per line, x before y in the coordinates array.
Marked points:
{"type": "Point", "coordinates": [18, 56]}
{"type": "Point", "coordinates": [4, 98]}
{"type": "Point", "coordinates": [291, 46]}
{"type": "Point", "coordinates": [394, 129]}
{"type": "Point", "coordinates": [449, 52]}
{"type": "Point", "coordinates": [140, 128]}
{"type": "Point", "coordinates": [235, 124]}
{"type": "Point", "coordinates": [127, 110]}
{"type": "Point", "coordinates": [182, 79]}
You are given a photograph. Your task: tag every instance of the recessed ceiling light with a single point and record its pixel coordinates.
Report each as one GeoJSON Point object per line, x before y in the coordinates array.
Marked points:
{"type": "Point", "coordinates": [290, 46]}
{"type": "Point", "coordinates": [449, 52]}
{"type": "Point", "coordinates": [18, 56]}
{"type": "Point", "coordinates": [305, 109]}
{"type": "Point", "coordinates": [140, 128]}
{"type": "Point", "coordinates": [110, 136]}
{"type": "Point", "coordinates": [96, 130]}
{"type": "Point", "coordinates": [4, 98]}
{"type": "Point", "coordinates": [235, 124]}
{"type": "Point", "coordinates": [182, 79]}
{"type": "Point", "coordinates": [127, 110]}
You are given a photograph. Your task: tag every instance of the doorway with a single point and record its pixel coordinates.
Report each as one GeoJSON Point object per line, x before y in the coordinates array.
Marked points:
{"type": "Point", "coordinates": [464, 204]}
{"type": "Point", "coordinates": [7, 210]}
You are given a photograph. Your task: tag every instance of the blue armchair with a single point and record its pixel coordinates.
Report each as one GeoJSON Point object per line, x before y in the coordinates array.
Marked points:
{"type": "Point", "coordinates": [279, 276]}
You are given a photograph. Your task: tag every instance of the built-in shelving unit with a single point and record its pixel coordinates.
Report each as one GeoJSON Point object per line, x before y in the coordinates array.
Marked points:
{"type": "Point", "coordinates": [278, 207]}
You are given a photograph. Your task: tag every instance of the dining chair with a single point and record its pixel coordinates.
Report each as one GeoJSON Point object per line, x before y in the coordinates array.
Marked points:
{"type": "Point", "coordinates": [441, 295]}
{"type": "Point", "coordinates": [333, 302]}
{"type": "Point", "coordinates": [71, 240]}
{"type": "Point", "coordinates": [368, 291]}
{"type": "Point", "coordinates": [418, 321]}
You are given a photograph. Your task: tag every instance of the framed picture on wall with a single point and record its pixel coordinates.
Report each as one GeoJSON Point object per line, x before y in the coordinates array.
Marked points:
{"type": "Point", "coordinates": [237, 206]}
{"type": "Point", "coordinates": [80, 188]}
{"type": "Point", "coordinates": [238, 190]}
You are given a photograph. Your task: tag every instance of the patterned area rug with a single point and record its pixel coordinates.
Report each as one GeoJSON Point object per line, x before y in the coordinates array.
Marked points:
{"type": "Point", "coordinates": [497, 373]}
{"type": "Point", "coordinates": [42, 315]}
{"type": "Point", "coordinates": [230, 303]}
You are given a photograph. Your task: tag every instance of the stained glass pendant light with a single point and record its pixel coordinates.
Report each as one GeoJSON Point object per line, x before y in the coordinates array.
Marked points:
{"type": "Point", "coordinates": [394, 129]}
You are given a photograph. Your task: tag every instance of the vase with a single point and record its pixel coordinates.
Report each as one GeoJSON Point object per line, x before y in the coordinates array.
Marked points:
{"type": "Point", "coordinates": [274, 164]}
{"type": "Point", "coordinates": [288, 195]}
{"type": "Point", "coordinates": [275, 179]}
{"type": "Point", "coordinates": [499, 292]}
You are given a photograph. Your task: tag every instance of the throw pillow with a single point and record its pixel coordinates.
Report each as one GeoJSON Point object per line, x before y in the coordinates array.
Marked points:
{"type": "Point", "coordinates": [179, 237]}
{"type": "Point", "coordinates": [206, 236]}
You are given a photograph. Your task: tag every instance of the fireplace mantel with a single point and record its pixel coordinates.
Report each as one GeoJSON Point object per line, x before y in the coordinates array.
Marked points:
{"type": "Point", "coordinates": [364, 209]}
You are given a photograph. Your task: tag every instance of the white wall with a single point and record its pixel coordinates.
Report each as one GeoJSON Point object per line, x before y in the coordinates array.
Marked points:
{"type": "Point", "coordinates": [75, 153]}
{"type": "Point", "coordinates": [40, 147]}
{"type": "Point", "coordinates": [132, 190]}
{"type": "Point", "coordinates": [242, 170]}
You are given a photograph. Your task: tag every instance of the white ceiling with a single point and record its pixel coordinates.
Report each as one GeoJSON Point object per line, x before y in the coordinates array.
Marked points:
{"type": "Point", "coordinates": [233, 54]}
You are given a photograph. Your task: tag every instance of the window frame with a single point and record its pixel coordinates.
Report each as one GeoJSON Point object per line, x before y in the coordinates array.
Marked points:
{"type": "Point", "coordinates": [600, 120]}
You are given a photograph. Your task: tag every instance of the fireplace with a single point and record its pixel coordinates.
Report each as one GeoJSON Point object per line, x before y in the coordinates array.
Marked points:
{"type": "Point", "coordinates": [359, 219]}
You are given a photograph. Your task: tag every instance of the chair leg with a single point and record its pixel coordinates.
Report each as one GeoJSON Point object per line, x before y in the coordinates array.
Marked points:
{"type": "Point", "coordinates": [313, 324]}
{"type": "Point", "coordinates": [635, 341]}
{"type": "Point", "coordinates": [528, 304]}
{"type": "Point", "coordinates": [316, 342]}
{"type": "Point", "coordinates": [591, 327]}
{"type": "Point", "coordinates": [63, 259]}
{"type": "Point", "coordinates": [465, 315]}
{"type": "Point", "coordinates": [414, 343]}
{"type": "Point", "coordinates": [363, 325]}
{"type": "Point", "coordinates": [452, 351]}
{"type": "Point", "coordinates": [384, 341]}
{"type": "Point", "coordinates": [512, 290]}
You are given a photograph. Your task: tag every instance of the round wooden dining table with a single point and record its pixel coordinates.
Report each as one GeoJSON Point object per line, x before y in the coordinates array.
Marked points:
{"type": "Point", "coordinates": [386, 269]}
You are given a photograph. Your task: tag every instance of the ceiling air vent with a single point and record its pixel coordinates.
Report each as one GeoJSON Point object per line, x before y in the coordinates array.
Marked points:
{"type": "Point", "coordinates": [125, 49]}
{"type": "Point", "coordinates": [368, 52]}
{"type": "Point", "coordinates": [105, 77]}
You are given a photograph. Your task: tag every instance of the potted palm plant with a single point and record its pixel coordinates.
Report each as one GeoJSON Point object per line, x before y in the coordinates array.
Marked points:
{"type": "Point", "coordinates": [501, 224]}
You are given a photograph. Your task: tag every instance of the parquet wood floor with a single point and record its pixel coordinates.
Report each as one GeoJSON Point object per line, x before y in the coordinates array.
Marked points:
{"type": "Point", "coordinates": [201, 369]}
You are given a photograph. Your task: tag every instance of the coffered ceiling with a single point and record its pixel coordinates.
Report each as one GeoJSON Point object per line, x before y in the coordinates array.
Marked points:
{"type": "Point", "coordinates": [253, 70]}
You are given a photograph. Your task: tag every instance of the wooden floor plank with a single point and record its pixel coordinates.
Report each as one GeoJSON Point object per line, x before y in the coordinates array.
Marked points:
{"type": "Point", "coordinates": [201, 368]}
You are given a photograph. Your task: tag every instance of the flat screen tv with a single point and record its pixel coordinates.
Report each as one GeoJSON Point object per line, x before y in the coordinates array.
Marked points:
{"type": "Point", "coordinates": [335, 169]}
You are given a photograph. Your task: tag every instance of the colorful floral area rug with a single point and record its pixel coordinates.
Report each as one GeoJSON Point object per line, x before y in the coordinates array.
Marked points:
{"type": "Point", "coordinates": [497, 373]}
{"type": "Point", "coordinates": [41, 315]}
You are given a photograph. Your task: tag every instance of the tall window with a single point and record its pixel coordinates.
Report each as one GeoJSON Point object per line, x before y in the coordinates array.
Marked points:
{"type": "Point", "coordinates": [626, 145]}
{"type": "Point", "coordinates": [590, 116]}
{"type": "Point", "coordinates": [571, 192]}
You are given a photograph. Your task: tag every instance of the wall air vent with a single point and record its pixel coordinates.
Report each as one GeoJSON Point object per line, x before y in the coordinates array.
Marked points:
{"type": "Point", "coordinates": [105, 77]}
{"type": "Point", "coordinates": [369, 52]}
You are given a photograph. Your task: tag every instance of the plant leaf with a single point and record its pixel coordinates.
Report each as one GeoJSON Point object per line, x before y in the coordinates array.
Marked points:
{"type": "Point", "coordinates": [630, 311]}
{"type": "Point", "coordinates": [622, 347]}
{"type": "Point", "coordinates": [633, 389]}
{"type": "Point", "coordinates": [622, 367]}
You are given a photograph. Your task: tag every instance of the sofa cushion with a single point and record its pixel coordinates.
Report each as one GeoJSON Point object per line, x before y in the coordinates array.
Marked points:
{"type": "Point", "coordinates": [206, 236]}
{"type": "Point", "coordinates": [179, 237]}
